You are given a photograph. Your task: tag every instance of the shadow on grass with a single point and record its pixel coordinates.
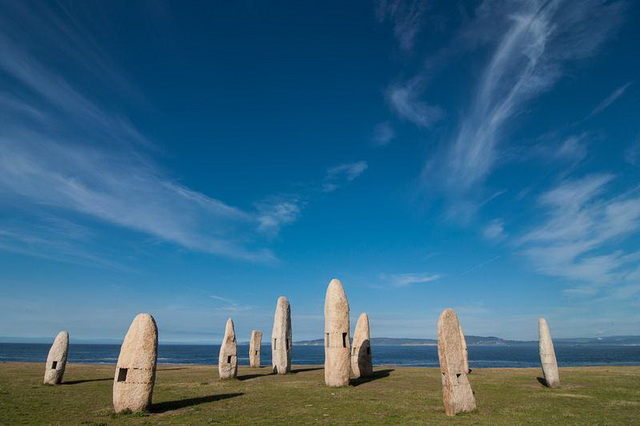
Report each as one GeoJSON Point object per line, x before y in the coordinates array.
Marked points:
{"type": "Point", "coordinates": [252, 376]}
{"type": "Point", "coordinates": [542, 381]}
{"type": "Point", "coordinates": [77, 382]}
{"type": "Point", "coordinates": [163, 407]}
{"type": "Point", "coordinates": [380, 374]}
{"type": "Point", "coordinates": [302, 370]}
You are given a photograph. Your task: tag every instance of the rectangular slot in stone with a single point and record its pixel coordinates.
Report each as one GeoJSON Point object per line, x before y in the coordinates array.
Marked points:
{"type": "Point", "coordinates": [327, 339]}
{"type": "Point", "coordinates": [344, 340]}
{"type": "Point", "coordinates": [287, 342]}
{"type": "Point", "coordinates": [54, 364]}
{"type": "Point", "coordinates": [229, 359]}
{"type": "Point", "coordinates": [122, 374]}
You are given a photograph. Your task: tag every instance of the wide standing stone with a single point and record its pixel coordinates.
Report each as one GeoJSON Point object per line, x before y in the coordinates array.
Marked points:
{"type": "Point", "coordinates": [548, 356]}
{"type": "Point", "coordinates": [361, 361]}
{"type": "Point", "coordinates": [336, 338]}
{"type": "Point", "coordinates": [281, 341]}
{"type": "Point", "coordinates": [254, 348]}
{"type": "Point", "coordinates": [57, 359]}
{"type": "Point", "coordinates": [136, 367]}
{"type": "Point", "coordinates": [456, 389]}
{"type": "Point", "coordinates": [228, 359]}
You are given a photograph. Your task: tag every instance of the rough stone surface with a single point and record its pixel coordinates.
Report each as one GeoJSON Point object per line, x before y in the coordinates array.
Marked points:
{"type": "Point", "coordinates": [136, 368]}
{"type": "Point", "coordinates": [361, 360]}
{"type": "Point", "coordinates": [548, 355]}
{"type": "Point", "coordinates": [254, 348]}
{"type": "Point", "coordinates": [228, 359]}
{"type": "Point", "coordinates": [336, 337]}
{"type": "Point", "coordinates": [57, 359]}
{"type": "Point", "coordinates": [465, 352]}
{"type": "Point", "coordinates": [456, 389]}
{"type": "Point", "coordinates": [281, 340]}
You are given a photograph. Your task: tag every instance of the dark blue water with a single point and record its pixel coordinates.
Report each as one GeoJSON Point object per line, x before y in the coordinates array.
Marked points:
{"type": "Point", "coordinates": [419, 356]}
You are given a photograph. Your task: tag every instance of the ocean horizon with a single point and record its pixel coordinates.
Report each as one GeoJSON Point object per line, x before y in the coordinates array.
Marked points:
{"type": "Point", "coordinates": [480, 356]}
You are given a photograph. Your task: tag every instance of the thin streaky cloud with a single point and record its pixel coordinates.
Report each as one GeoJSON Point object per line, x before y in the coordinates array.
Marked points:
{"type": "Point", "coordinates": [606, 102]}
{"type": "Point", "coordinates": [538, 39]}
{"type": "Point", "coordinates": [406, 17]}
{"type": "Point", "coordinates": [404, 280]}
{"type": "Point", "coordinates": [341, 174]}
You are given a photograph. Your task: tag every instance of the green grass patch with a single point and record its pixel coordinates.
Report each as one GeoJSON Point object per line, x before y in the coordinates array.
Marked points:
{"type": "Point", "coordinates": [396, 395]}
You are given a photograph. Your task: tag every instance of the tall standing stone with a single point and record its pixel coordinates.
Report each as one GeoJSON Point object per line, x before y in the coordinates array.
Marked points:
{"type": "Point", "coordinates": [361, 361]}
{"type": "Point", "coordinates": [57, 359]}
{"type": "Point", "coordinates": [456, 389]}
{"type": "Point", "coordinates": [336, 338]}
{"type": "Point", "coordinates": [136, 367]}
{"type": "Point", "coordinates": [281, 341]}
{"type": "Point", "coordinates": [228, 359]}
{"type": "Point", "coordinates": [254, 348]}
{"type": "Point", "coordinates": [465, 352]}
{"type": "Point", "coordinates": [548, 355]}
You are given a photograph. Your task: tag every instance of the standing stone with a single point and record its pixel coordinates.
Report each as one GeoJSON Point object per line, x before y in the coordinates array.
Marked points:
{"type": "Point", "coordinates": [254, 348]}
{"type": "Point", "coordinates": [465, 352]}
{"type": "Point", "coordinates": [456, 389]}
{"type": "Point", "coordinates": [57, 359]}
{"type": "Point", "coordinates": [336, 337]}
{"type": "Point", "coordinates": [281, 341]}
{"type": "Point", "coordinates": [548, 356]}
{"type": "Point", "coordinates": [136, 367]}
{"type": "Point", "coordinates": [361, 362]}
{"type": "Point", "coordinates": [228, 359]}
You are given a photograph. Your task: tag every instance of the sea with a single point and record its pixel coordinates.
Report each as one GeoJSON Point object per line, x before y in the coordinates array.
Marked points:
{"type": "Point", "coordinates": [494, 356]}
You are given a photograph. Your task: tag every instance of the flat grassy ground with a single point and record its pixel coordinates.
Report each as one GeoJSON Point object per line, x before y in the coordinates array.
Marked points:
{"type": "Point", "coordinates": [395, 395]}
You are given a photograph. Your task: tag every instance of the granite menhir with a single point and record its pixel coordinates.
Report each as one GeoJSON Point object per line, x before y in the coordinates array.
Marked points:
{"type": "Point", "coordinates": [228, 358]}
{"type": "Point", "coordinates": [281, 341]}
{"type": "Point", "coordinates": [57, 359]}
{"type": "Point", "coordinates": [336, 340]}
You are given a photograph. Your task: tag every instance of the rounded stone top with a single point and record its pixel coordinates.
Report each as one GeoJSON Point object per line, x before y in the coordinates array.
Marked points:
{"type": "Point", "coordinates": [335, 289]}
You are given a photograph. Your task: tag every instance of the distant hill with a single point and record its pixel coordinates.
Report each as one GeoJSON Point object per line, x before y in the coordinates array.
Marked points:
{"type": "Point", "coordinates": [492, 341]}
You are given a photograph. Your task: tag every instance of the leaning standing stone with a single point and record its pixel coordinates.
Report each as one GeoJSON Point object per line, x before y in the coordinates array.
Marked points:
{"type": "Point", "coordinates": [281, 338]}
{"type": "Point", "coordinates": [548, 355]}
{"type": "Point", "coordinates": [57, 359]}
{"type": "Point", "coordinates": [228, 359]}
{"type": "Point", "coordinates": [456, 389]}
{"type": "Point", "coordinates": [136, 367]}
{"type": "Point", "coordinates": [361, 362]}
{"type": "Point", "coordinates": [254, 348]}
{"type": "Point", "coordinates": [336, 339]}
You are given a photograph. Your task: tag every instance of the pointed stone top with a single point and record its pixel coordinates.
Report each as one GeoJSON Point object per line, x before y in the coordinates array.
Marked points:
{"type": "Point", "coordinates": [229, 326]}
{"type": "Point", "coordinates": [282, 300]}
{"type": "Point", "coordinates": [542, 321]}
{"type": "Point", "coordinates": [335, 290]}
{"type": "Point", "coordinates": [63, 335]}
{"type": "Point", "coordinates": [363, 317]}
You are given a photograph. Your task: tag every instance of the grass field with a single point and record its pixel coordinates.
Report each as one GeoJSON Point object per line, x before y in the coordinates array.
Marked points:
{"type": "Point", "coordinates": [395, 395]}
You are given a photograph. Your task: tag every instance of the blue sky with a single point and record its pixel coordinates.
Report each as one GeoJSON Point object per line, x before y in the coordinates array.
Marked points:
{"type": "Point", "coordinates": [198, 161]}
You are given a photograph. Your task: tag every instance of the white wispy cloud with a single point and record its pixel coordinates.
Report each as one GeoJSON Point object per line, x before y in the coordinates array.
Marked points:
{"type": "Point", "coordinates": [579, 239]}
{"type": "Point", "coordinates": [613, 96]}
{"type": "Point", "coordinates": [406, 17]}
{"type": "Point", "coordinates": [404, 280]}
{"type": "Point", "coordinates": [275, 212]}
{"type": "Point", "coordinates": [341, 174]}
{"type": "Point", "coordinates": [404, 99]}
{"type": "Point", "coordinates": [383, 133]}
{"type": "Point", "coordinates": [494, 230]}
{"type": "Point", "coordinates": [535, 39]}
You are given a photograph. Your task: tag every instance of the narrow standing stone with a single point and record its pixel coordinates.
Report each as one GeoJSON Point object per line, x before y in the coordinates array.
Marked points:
{"type": "Point", "coordinates": [136, 367]}
{"type": "Point", "coordinates": [254, 348]}
{"type": "Point", "coordinates": [228, 359]}
{"type": "Point", "coordinates": [281, 341]}
{"type": "Point", "coordinates": [456, 389]}
{"type": "Point", "coordinates": [361, 361]}
{"type": "Point", "coordinates": [57, 359]}
{"type": "Point", "coordinates": [548, 356]}
{"type": "Point", "coordinates": [336, 338]}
